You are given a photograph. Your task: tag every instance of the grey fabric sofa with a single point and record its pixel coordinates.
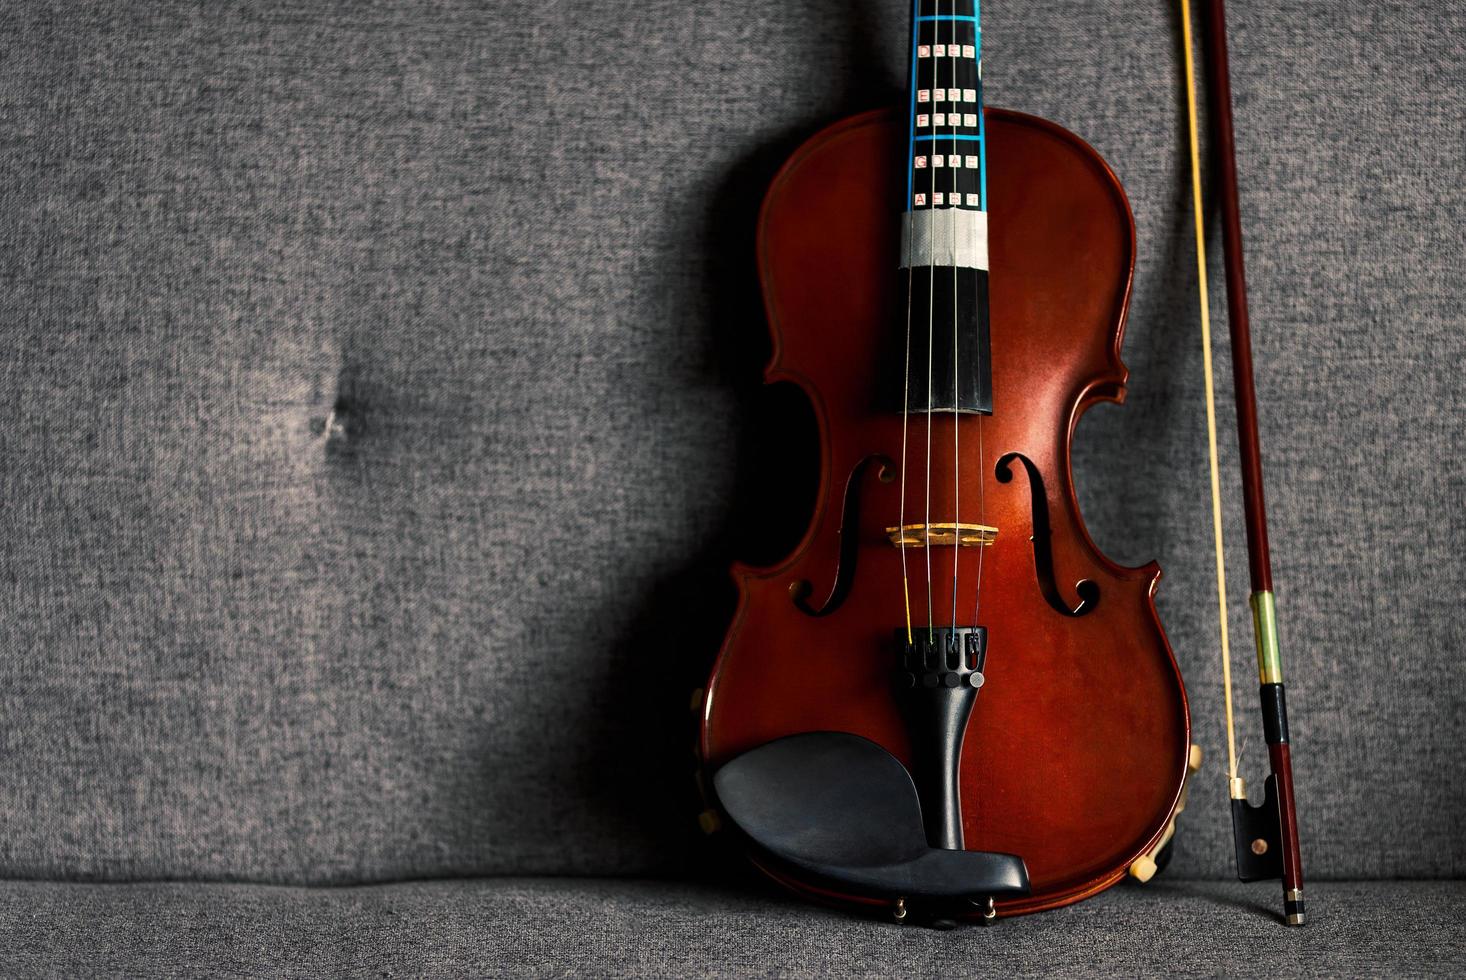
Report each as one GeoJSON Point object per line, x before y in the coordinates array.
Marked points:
{"type": "Point", "coordinates": [379, 411]}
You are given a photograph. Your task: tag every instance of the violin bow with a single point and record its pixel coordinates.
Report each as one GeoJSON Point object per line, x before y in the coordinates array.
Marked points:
{"type": "Point", "coordinates": [1266, 835]}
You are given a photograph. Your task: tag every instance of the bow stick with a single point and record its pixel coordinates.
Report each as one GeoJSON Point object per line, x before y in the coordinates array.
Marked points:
{"type": "Point", "coordinates": [1266, 835]}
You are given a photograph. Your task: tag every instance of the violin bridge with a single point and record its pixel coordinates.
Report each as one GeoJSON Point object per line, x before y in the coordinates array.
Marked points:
{"type": "Point", "coordinates": [940, 535]}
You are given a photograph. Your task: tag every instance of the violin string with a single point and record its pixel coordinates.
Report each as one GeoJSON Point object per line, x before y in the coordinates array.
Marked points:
{"type": "Point", "coordinates": [981, 519]}
{"type": "Point", "coordinates": [905, 432]}
{"type": "Point", "coordinates": [952, 51]}
{"type": "Point", "coordinates": [931, 293]}
{"type": "Point", "coordinates": [982, 205]}
{"type": "Point", "coordinates": [1211, 412]}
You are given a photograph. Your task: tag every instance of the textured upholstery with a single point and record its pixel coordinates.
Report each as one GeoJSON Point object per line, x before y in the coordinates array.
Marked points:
{"type": "Point", "coordinates": [621, 928]}
{"type": "Point", "coordinates": [379, 409]}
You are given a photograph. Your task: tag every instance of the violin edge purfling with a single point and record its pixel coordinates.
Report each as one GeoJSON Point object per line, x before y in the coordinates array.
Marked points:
{"type": "Point", "coordinates": [761, 687]}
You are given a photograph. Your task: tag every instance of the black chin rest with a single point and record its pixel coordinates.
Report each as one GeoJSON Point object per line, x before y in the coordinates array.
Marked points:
{"type": "Point", "coordinates": [843, 808]}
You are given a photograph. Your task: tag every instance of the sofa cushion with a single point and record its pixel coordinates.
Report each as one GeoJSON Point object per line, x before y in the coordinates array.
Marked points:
{"type": "Point", "coordinates": [377, 383]}
{"type": "Point", "coordinates": [613, 928]}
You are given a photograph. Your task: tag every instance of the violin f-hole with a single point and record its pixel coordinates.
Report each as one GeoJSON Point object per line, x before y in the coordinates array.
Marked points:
{"type": "Point", "coordinates": [1043, 555]}
{"type": "Point", "coordinates": [849, 544]}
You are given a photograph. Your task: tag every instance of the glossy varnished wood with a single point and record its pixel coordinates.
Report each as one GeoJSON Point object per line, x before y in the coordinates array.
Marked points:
{"type": "Point", "coordinates": [1076, 751]}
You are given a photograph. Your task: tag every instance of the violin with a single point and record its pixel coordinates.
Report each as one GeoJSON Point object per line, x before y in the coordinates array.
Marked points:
{"type": "Point", "coordinates": [948, 286]}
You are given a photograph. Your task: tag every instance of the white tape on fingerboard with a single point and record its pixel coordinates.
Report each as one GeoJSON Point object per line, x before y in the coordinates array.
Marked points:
{"type": "Point", "coordinates": [945, 237]}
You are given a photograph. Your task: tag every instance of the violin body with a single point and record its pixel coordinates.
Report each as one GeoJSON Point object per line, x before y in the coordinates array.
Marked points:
{"type": "Point", "coordinates": [1075, 753]}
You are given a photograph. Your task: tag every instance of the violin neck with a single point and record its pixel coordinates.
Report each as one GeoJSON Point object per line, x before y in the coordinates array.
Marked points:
{"type": "Point", "coordinates": [944, 224]}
